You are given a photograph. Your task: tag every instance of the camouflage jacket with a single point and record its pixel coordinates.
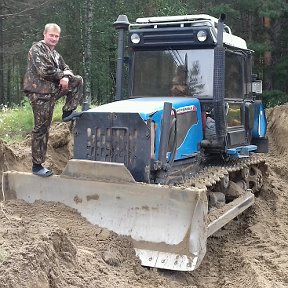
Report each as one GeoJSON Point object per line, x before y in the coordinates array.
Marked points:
{"type": "Point", "coordinates": [44, 70]}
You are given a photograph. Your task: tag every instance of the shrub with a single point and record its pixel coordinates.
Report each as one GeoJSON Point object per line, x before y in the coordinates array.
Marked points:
{"type": "Point", "coordinates": [274, 97]}
{"type": "Point", "coordinates": [17, 122]}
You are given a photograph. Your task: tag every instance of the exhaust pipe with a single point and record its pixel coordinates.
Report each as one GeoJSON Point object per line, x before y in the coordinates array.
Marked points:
{"type": "Point", "coordinates": [121, 24]}
{"type": "Point", "coordinates": [219, 84]}
{"type": "Point", "coordinates": [165, 129]}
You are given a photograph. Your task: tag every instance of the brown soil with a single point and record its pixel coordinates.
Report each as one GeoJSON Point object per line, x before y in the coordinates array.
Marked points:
{"type": "Point", "coordinates": [51, 245]}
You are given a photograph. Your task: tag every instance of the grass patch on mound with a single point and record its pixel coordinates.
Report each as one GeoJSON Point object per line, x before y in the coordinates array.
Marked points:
{"type": "Point", "coordinates": [17, 122]}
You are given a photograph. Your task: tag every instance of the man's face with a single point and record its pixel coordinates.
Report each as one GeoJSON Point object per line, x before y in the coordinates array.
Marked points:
{"type": "Point", "coordinates": [51, 37]}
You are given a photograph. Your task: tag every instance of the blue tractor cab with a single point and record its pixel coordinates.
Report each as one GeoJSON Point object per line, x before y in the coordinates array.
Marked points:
{"type": "Point", "coordinates": [189, 97]}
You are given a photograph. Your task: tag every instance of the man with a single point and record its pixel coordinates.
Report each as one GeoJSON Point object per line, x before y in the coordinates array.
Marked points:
{"type": "Point", "coordinates": [179, 82]}
{"type": "Point", "coordinates": [48, 78]}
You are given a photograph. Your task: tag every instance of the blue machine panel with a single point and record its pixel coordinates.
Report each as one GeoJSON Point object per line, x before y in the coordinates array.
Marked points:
{"type": "Point", "coordinates": [260, 122]}
{"type": "Point", "coordinates": [189, 124]}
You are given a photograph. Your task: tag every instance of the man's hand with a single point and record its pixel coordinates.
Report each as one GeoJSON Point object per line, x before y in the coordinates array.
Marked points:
{"type": "Point", "coordinates": [64, 83]}
{"type": "Point", "coordinates": [68, 73]}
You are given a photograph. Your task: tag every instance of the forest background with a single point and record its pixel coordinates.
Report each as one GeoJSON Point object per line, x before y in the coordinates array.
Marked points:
{"type": "Point", "coordinates": [89, 39]}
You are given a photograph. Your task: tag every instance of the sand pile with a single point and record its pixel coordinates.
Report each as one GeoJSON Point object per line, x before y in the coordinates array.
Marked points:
{"type": "Point", "coordinates": [51, 245]}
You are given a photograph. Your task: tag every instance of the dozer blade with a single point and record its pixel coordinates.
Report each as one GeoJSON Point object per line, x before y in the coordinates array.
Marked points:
{"type": "Point", "coordinates": [168, 225]}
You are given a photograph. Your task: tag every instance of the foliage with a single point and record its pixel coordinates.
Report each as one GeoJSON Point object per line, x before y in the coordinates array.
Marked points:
{"type": "Point", "coordinates": [259, 47]}
{"type": "Point", "coordinates": [274, 97]}
{"type": "Point", "coordinates": [225, 8]}
{"type": "Point", "coordinates": [273, 9]}
{"type": "Point", "coordinates": [280, 74]}
{"type": "Point", "coordinates": [17, 122]}
{"type": "Point", "coordinates": [23, 23]}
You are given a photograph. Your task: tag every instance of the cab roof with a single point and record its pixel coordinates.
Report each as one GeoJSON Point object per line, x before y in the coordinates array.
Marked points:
{"type": "Point", "coordinates": [192, 20]}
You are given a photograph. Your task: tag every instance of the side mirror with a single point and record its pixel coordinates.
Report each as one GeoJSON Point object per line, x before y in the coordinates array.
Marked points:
{"type": "Point", "coordinates": [257, 86]}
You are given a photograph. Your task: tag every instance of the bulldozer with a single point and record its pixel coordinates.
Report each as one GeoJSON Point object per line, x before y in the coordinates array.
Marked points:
{"type": "Point", "coordinates": [177, 154]}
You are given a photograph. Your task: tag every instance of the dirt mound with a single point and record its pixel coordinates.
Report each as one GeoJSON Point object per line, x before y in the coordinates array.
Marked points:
{"type": "Point", "coordinates": [51, 245]}
{"type": "Point", "coordinates": [18, 156]}
{"type": "Point", "coordinates": [278, 130]}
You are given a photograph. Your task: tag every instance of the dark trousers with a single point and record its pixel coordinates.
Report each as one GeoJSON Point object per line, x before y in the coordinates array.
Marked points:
{"type": "Point", "coordinates": [43, 107]}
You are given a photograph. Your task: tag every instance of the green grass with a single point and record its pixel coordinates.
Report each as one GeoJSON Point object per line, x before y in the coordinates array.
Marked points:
{"type": "Point", "coordinates": [17, 122]}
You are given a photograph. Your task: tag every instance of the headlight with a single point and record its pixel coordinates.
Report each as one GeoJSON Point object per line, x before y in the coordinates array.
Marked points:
{"type": "Point", "coordinates": [202, 35]}
{"type": "Point", "coordinates": [135, 38]}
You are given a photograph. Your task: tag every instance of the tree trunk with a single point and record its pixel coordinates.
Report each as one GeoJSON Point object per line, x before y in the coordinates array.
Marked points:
{"type": "Point", "coordinates": [87, 23]}
{"type": "Point", "coordinates": [2, 98]}
{"type": "Point", "coordinates": [267, 54]}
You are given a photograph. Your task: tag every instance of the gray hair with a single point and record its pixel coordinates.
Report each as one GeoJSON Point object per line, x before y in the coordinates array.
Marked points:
{"type": "Point", "coordinates": [52, 26]}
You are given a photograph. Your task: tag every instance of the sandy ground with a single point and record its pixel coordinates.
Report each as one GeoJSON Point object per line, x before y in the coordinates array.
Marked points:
{"type": "Point", "coordinates": [50, 245]}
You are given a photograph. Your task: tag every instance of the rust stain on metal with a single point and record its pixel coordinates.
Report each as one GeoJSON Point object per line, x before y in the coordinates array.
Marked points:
{"type": "Point", "coordinates": [77, 199]}
{"type": "Point", "coordinates": [92, 197]}
{"type": "Point", "coordinates": [145, 208]}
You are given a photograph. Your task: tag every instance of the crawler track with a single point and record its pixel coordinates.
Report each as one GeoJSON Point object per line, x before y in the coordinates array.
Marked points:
{"type": "Point", "coordinates": [249, 170]}
{"type": "Point", "coordinates": [228, 184]}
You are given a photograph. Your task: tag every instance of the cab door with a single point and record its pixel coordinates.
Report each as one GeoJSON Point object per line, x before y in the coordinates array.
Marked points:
{"type": "Point", "coordinates": [236, 91]}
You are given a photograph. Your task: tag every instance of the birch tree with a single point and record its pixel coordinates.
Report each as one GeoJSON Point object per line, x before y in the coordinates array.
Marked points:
{"type": "Point", "coordinates": [86, 29]}
{"type": "Point", "coordinates": [2, 99]}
